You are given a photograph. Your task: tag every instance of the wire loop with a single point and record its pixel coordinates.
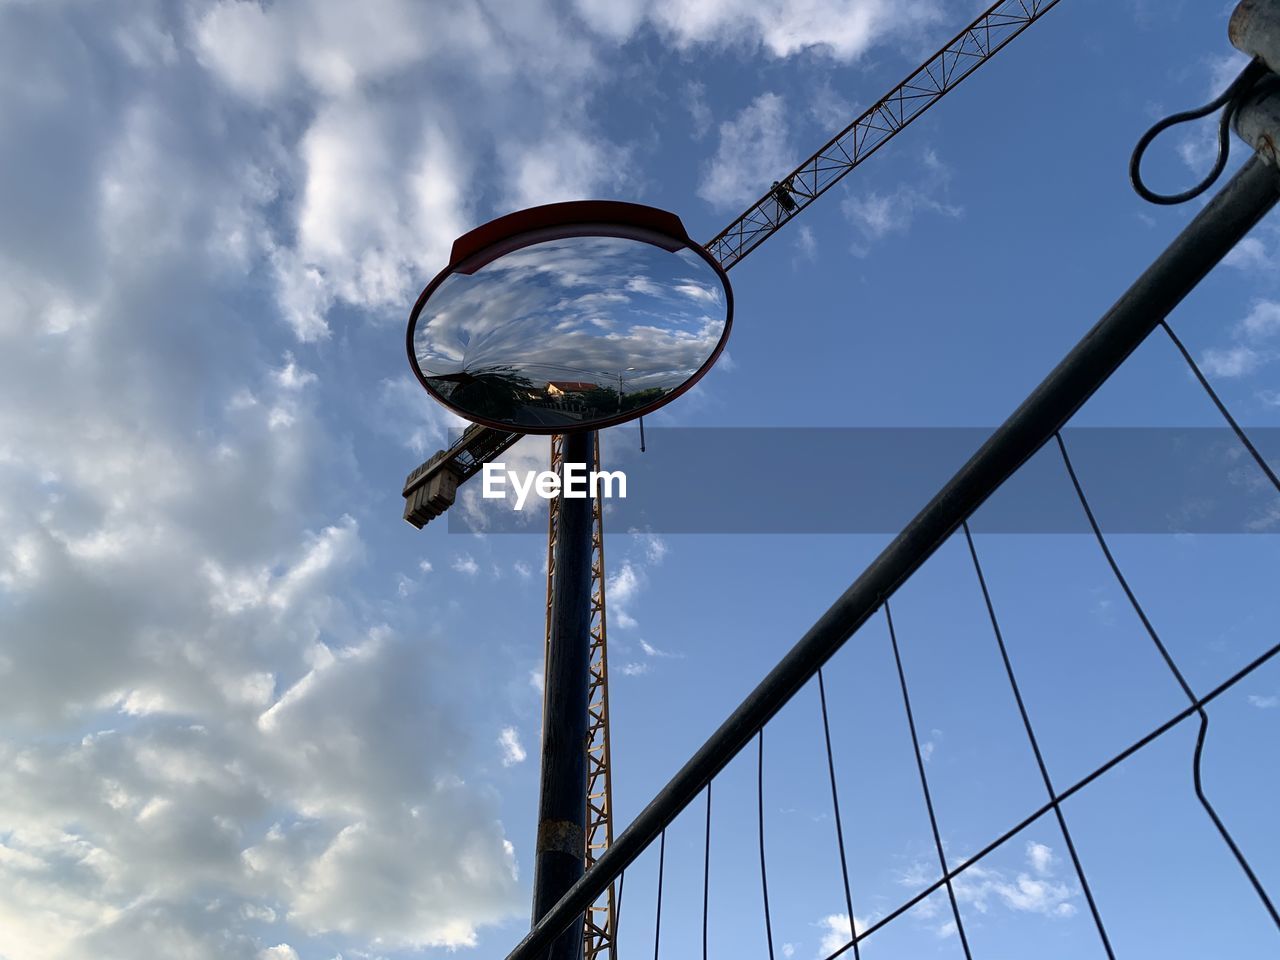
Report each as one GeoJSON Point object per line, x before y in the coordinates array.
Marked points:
{"type": "Point", "coordinates": [1231, 98]}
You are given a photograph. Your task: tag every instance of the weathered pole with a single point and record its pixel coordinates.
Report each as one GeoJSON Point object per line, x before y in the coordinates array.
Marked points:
{"type": "Point", "coordinates": [562, 801]}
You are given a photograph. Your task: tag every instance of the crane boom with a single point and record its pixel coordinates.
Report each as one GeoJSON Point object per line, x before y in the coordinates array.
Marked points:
{"type": "Point", "coordinates": [430, 489]}
{"type": "Point", "coordinates": [883, 120]}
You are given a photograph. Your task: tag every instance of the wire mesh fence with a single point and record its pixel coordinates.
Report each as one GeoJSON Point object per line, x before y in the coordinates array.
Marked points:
{"type": "Point", "coordinates": [949, 887]}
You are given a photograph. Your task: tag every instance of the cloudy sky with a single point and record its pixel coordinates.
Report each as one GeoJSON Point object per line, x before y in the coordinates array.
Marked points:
{"type": "Point", "coordinates": [247, 713]}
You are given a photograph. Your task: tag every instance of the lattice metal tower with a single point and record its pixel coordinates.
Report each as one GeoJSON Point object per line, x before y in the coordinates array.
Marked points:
{"type": "Point", "coordinates": [601, 919]}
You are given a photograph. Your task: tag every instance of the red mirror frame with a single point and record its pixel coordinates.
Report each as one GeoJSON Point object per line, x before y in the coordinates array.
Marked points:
{"type": "Point", "coordinates": [555, 221]}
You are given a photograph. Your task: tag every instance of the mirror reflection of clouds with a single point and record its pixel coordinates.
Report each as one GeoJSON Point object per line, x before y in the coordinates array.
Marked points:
{"type": "Point", "coordinates": [571, 314]}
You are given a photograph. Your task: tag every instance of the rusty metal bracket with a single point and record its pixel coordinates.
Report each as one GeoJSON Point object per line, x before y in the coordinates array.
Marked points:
{"type": "Point", "coordinates": [1255, 29]}
{"type": "Point", "coordinates": [1258, 120]}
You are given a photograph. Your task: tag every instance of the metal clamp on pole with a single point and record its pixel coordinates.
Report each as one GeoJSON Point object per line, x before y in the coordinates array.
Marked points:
{"type": "Point", "coordinates": [1258, 120]}
{"type": "Point", "coordinates": [1255, 29]}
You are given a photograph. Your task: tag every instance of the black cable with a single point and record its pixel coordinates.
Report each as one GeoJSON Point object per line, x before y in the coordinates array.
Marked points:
{"type": "Point", "coordinates": [657, 921]}
{"type": "Point", "coordinates": [1222, 408]}
{"type": "Point", "coordinates": [1035, 745]}
{"type": "Point", "coordinates": [764, 880]}
{"type": "Point", "coordinates": [924, 785]}
{"type": "Point", "coordinates": [706, 874]}
{"type": "Point", "coordinates": [835, 804]}
{"type": "Point", "coordinates": [1230, 99]}
{"type": "Point", "coordinates": [1204, 717]}
{"type": "Point", "coordinates": [617, 916]}
{"type": "Point", "coordinates": [1065, 795]}
{"type": "Point", "coordinates": [1275, 482]}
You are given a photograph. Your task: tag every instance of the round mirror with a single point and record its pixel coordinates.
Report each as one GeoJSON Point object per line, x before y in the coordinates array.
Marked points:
{"type": "Point", "coordinates": [570, 317]}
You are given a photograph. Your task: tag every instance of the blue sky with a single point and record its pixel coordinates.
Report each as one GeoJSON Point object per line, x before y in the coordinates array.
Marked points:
{"type": "Point", "coordinates": [247, 712]}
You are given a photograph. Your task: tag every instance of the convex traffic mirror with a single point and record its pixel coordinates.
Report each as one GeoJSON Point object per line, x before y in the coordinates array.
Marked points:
{"type": "Point", "coordinates": [570, 316]}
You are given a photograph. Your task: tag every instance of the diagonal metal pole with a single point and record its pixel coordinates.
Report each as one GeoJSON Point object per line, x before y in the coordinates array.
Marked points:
{"type": "Point", "coordinates": [562, 799]}
{"type": "Point", "coordinates": [1224, 221]}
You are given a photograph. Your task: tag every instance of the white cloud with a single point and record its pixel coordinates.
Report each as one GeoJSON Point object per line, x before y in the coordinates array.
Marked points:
{"type": "Point", "coordinates": [291, 376]}
{"type": "Point", "coordinates": [1198, 146]}
{"type": "Point", "coordinates": [806, 243]}
{"type": "Point", "coordinates": [655, 548]}
{"type": "Point", "coordinates": [830, 109]}
{"type": "Point", "coordinates": [837, 931]}
{"type": "Point", "coordinates": [355, 863]}
{"type": "Point", "coordinates": [565, 165]}
{"type": "Point", "coordinates": [752, 153]}
{"type": "Point", "coordinates": [409, 417]}
{"type": "Point", "coordinates": [1198, 149]}
{"type": "Point", "coordinates": [166, 810]}
{"type": "Point", "coordinates": [651, 651]}
{"type": "Point", "coordinates": [981, 888]}
{"type": "Point", "coordinates": [243, 44]}
{"type": "Point", "coordinates": [1028, 895]}
{"type": "Point", "coordinates": [840, 29]}
{"type": "Point", "coordinates": [465, 563]}
{"type": "Point", "coordinates": [1264, 703]}
{"type": "Point", "coordinates": [1249, 254]}
{"type": "Point", "coordinates": [621, 589]}
{"type": "Point", "coordinates": [176, 561]}
{"type": "Point", "coordinates": [383, 182]}
{"type": "Point", "coordinates": [1263, 320]}
{"type": "Point", "coordinates": [379, 209]}
{"type": "Point", "coordinates": [1223, 70]}
{"type": "Point", "coordinates": [1259, 325]}
{"type": "Point", "coordinates": [233, 592]}
{"type": "Point", "coordinates": [512, 750]}
{"type": "Point", "coordinates": [303, 295]}
{"type": "Point", "coordinates": [1236, 361]}
{"type": "Point", "coordinates": [930, 746]}
{"type": "Point", "coordinates": [1040, 857]}
{"type": "Point", "coordinates": [628, 579]}
{"type": "Point", "coordinates": [699, 110]}
{"type": "Point", "coordinates": [337, 544]}
{"type": "Point", "coordinates": [263, 53]}
{"type": "Point", "coordinates": [879, 215]}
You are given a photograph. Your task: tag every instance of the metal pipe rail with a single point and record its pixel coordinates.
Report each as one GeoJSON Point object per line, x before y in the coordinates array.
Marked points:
{"type": "Point", "coordinates": [1237, 207]}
